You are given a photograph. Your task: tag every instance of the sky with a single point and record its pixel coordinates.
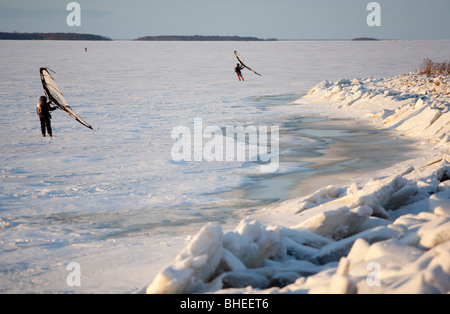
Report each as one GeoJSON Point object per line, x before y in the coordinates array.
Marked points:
{"type": "Point", "coordinates": [282, 19]}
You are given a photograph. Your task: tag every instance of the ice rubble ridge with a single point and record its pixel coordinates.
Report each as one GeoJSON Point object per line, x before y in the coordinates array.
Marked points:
{"type": "Point", "coordinates": [414, 104]}
{"type": "Point", "coordinates": [390, 235]}
{"type": "Point", "coordinates": [413, 251]}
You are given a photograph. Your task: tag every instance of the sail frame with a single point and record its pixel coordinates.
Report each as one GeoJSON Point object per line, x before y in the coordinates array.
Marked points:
{"type": "Point", "coordinates": [54, 93]}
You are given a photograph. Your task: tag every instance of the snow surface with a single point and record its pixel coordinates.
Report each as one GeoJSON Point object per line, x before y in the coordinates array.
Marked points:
{"type": "Point", "coordinates": [114, 202]}
{"type": "Point", "coordinates": [390, 234]}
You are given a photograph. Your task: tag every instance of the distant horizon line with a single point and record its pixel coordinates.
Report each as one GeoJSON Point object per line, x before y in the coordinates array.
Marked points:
{"type": "Point", "coordinates": [253, 38]}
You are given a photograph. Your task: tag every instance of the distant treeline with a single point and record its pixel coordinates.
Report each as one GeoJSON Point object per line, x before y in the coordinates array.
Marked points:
{"type": "Point", "coordinates": [365, 39]}
{"type": "Point", "coordinates": [51, 36]}
{"type": "Point", "coordinates": [202, 38]}
{"type": "Point", "coordinates": [74, 36]}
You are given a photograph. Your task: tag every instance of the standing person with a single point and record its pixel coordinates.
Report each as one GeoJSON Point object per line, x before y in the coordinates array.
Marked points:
{"type": "Point", "coordinates": [238, 71]}
{"type": "Point", "coordinates": [43, 111]}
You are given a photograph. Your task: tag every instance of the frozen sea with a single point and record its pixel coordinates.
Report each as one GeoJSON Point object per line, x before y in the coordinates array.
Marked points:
{"type": "Point", "coordinates": [114, 200]}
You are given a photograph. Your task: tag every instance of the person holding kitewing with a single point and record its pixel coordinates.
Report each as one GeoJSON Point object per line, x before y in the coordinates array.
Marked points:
{"type": "Point", "coordinates": [238, 71]}
{"type": "Point", "coordinates": [241, 65]}
{"type": "Point", "coordinates": [43, 110]}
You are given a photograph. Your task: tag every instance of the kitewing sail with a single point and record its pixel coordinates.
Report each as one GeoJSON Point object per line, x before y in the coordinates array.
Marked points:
{"type": "Point", "coordinates": [56, 96]}
{"type": "Point", "coordinates": [241, 61]}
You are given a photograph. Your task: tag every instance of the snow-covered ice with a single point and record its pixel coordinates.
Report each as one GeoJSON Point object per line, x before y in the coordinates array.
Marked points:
{"type": "Point", "coordinates": [116, 203]}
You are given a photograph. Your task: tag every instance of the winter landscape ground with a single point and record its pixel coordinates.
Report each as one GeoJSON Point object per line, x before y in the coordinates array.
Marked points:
{"type": "Point", "coordinates": [389, 234]}
{"type": "Point", "coordinates": [333, 218]}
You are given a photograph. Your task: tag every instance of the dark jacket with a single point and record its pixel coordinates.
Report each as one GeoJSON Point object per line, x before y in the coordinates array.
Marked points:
{"type": "Point", "coordinates": [43, 110]}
